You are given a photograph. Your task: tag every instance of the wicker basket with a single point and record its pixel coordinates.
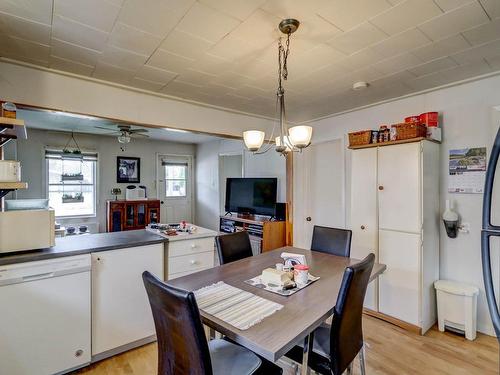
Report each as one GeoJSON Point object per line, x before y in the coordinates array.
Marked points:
{"type": "Point", "coordinates": [410, 130]}
{"type": "Point", "coordinates": [360, 138]}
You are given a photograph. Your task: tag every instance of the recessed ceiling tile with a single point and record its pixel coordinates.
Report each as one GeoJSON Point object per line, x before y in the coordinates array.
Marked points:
{"type": "Point", "coordinates": [397, 63]}
{"type": "Point", "coordinates": [31, 50]}
{"type": "Point", "coordinates": [492, 7]}
{"type": "Point", "coordinates": [461, 72]}
{"type": "Point", "coordinates": [216, 89]}
{"type": "Point", "coordinates": [403, 42]}
{"type": "Point", "coordinates": [77, 33]}
{"type": "Point", "coordinates": [156, 17]}
{"type": "Point", "coordinates": [33, 10]}
{"type": "Point", "coordinates": [455, 21]}
{"type": "Point", "coordinates": [25, 29]}
{"type": "Point", "coordinates": [73, 52]}
{"type": "Point", "coordinates": [358, 38]}
{"type": "Point", "coordinates": [123, 58]}
{"type": "Point", "coordinates": [70, 66]}
{"type": "Point", "coordinates": [260, 28]}
{"type": "Point", "coordinates": [112, 73]}
{"type": "Point", "coordinates": [231, 79]}
{"type": "Point", "coordinates": [169, 61]}
{"type": "Point", "coordinates": [240, 9]}
{"type": "Point", "coordinates": [298, 9]}
{"type": "Point", "coordinates": [145, 85]}
{"type": "Point", "coordinates": [478, 53]}
{"type": "Point", "coordinates": [207, 23]}
{"type": "Point", "coordinates": [433, 66]}
{"type": "Point", "coordinates": [133, 39]}
{"type": "Point", "coordinates": [232, 48]}
{"type": "Point", "coordinates": [314, 59]}
{"type": "Point", "coordinates": [150, 73]}
{"type": "Point", "coordinates": [440, 48]}
{"type": "Point", "coordinates": [254, 68]}
{"type": "Point", "coordinates": [405, 15]}
{"type": "Point", "coordinates": [182, 89]}
{"type": "Point", "coordinates": [185, 44]}
{"type": "Point", "coordinates": [484, 33]}
{"type": "Point", "coordinates": [428, 81]}
{"type": "Point", "coordinates": [447, 5]}
{"type": "Point", "coordinates": [361, 59]}
{"type": "Point", "coordinates": [494, 62]}
{"type": "Point", "coordinates": [348, 14]}
{"type": "Point", "coordinates": [99, 14]}
{"type": "Point", "coordinates": [211, 64]}
{"type": "Point", "coordinates": [196, 77]}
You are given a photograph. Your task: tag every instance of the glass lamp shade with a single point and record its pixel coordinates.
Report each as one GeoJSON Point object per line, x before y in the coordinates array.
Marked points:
{"type": "Point", "coordinates": [124, 138]}
{"type": "Point", "coordinates": [300, 136]}
{"type": "Point", "coordinates": [253, 139]}
{"type": "Point", "coordinates": [288, 144]}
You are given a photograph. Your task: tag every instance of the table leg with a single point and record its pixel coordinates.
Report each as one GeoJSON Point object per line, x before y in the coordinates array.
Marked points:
{"type": "Point", "coordinates": [308, 347]}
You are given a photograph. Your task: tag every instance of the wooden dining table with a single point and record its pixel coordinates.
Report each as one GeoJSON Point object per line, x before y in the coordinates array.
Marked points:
{"type": "Point", "coordinates": [302, 312]}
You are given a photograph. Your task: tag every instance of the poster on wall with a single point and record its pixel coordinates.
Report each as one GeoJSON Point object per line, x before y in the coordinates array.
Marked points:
{"type": "Point", "coordinates": [467, 170]}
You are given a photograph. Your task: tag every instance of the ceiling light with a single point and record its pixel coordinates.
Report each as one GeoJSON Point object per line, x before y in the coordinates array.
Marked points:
{"type": "Point", "coordinates": [124, 138]}
{"type": "Point", "coordinates": [297, 137]}
{"type": "Point", "coordinates": [361, 85]}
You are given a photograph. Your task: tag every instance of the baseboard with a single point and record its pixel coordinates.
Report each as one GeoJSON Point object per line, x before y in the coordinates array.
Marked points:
{"type": "Point", "coordinates": [123, 348]}
{"type": "Point", "coordinates": [389, 319]}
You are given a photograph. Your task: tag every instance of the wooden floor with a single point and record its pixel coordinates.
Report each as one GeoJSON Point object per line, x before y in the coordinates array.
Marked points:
{"type": "Point", "coordinates": [390, 350]}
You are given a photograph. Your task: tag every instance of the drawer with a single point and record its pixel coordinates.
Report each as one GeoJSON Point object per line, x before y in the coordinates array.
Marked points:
{"type": "Point", "coordinates": [191, 262]}
{"type": "Point", "coordinates": [186, 247]}
{"type": "Point", "coordinates": [185, 273]}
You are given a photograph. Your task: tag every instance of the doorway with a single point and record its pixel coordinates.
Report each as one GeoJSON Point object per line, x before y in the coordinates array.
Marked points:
{"type": "Point", "coordinates": [230, 165]}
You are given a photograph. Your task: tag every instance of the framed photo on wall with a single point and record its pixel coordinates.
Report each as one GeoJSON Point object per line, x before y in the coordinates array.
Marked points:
{"type": "Point", "coordinates": [128, 169]}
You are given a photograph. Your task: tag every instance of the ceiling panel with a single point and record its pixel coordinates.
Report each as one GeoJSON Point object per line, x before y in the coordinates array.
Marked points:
{"type": "Point", "coordinates": [224, 52]}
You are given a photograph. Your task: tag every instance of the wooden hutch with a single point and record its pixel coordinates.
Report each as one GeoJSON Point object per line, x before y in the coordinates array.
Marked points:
{"type": "Point", "coordinates": [131, 214]}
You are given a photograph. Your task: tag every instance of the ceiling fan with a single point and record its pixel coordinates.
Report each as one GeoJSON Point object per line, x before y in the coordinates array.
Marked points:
{"type": "Point", "coordinates": [125, 133]}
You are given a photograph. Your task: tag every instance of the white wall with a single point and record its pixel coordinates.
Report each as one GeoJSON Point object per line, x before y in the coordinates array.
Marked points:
{"type": "Point", "coordinates": [41, 88]}
{"type": "Point", "coordinates": [31, 154]}
{"type": "Point", "coordinates": [270, 164]}
{"type": "Point", "coordinates": [467, 122]}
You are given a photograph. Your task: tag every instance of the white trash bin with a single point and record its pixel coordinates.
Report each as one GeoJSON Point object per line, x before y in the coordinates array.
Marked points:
{"type": "Point", "coordinates": [457, 307]}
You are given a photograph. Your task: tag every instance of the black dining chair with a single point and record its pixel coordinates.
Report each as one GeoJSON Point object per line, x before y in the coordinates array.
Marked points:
{"type": "Point", "coordinates": [334, 241]}
{"type": "Point", "coordinates": [182, 344]}
{"type": "Point", "coordinates": [335, 347]}
{"type": "Point", "coordinates": [233, 246]}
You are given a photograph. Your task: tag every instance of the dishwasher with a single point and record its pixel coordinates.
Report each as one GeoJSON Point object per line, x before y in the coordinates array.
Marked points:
{"type": "Point", "coordinates": [45, 316]}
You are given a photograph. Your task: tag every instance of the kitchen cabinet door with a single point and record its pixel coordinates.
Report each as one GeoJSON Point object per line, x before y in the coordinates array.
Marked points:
{"type": "Point", "coordinates": [120, 308]}
{"type": "Point", "coordinates": [364, 215]}
{"type": "Point", "coordinates": [399, 190]}
{"type": "Point", "coordinates": [399, 285]}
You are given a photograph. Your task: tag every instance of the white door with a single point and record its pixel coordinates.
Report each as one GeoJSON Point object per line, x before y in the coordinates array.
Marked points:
{"type": "Point", "coordinates": [318, 190]}
{"type": "Point", "coordinates": [175, 188]}
{"type": "Point", "coordinates": [364, 213]}
{"type": "Point", "coordinates": [399, 169]}
{"type": "Point", "coordinates": [120, 308]}
{"type": "Point", "coordinates": [399, 285]}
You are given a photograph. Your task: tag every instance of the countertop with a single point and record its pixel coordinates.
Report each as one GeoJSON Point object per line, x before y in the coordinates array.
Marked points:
{"type": "Point", "coordinates": [199, 233]}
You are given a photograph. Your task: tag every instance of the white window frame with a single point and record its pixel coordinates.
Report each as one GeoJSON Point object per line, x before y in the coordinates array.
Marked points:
{"type": "Point", "coordinates": [187, 179]}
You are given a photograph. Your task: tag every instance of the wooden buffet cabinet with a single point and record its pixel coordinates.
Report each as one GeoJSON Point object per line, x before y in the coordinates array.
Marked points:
{"type": "Point", "coordinates": [129, 215]}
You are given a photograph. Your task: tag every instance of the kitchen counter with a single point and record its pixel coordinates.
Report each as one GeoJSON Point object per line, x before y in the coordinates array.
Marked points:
{"type": "Point", "coordinates": [76, 245]}
{"type": "Point", "coordinates": [199, 233]}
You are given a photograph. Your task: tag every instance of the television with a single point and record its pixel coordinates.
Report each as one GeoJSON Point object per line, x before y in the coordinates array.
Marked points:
{"type": "Point", "coordinates": [256, 196]}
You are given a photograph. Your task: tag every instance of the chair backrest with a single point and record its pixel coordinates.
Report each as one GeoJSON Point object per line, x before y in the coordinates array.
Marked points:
{"type": "Point", "coordinates": [234, 246]}
{"type": "Point", "coordinates": [332, 241]}
{"type": "Point", "coordinates": [182, 345]}
{"type": "Point", "coordinates": [346, 335]}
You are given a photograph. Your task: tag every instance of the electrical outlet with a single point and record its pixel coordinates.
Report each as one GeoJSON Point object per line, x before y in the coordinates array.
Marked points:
{"type": "Point", "coordinates": [464, 228]}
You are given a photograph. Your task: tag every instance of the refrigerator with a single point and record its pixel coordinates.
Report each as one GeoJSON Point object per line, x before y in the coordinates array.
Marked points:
{"type": "Point", "coordinates": [488, 232]}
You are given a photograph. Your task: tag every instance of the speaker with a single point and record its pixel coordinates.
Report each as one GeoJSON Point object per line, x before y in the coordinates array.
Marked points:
{"type": "Point", "coordinates": [280, 211]}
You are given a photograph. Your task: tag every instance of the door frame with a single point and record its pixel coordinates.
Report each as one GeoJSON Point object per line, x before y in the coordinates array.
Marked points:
{"type": "Point", "coordinates": [191, 184]}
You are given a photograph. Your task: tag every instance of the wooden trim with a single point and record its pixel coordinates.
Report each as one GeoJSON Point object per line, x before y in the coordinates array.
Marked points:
{"type": "Point", "coordinates": [11, 121]}
{"type": "Point", "coordinates": [386, 318]}
{"type": "Point", "coordinates": [402, 141]}
{"type": "Point", "coordinates": [13, 185]}
{"type": "Point", "coordinates": [289, 199]}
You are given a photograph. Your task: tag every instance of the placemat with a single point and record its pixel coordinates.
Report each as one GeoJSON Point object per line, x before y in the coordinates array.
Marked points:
{"type": "Point", "coordinates": [234, 306]}
{"type": "Point", "coordinates": [274, 288]}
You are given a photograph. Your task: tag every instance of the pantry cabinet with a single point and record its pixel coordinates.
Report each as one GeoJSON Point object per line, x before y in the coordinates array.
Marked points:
{"type": "Point", "coordinates": [395, 215]}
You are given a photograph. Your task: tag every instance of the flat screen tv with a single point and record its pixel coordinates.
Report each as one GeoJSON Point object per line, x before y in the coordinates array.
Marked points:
{"type": "Point", "coordinates": [256, 196]}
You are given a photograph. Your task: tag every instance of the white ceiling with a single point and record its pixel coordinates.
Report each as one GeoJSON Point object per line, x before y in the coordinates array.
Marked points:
{"type": "Point", "coordinates": [56, 121]}
{"type": "Point", "coordinates": [223, 52]}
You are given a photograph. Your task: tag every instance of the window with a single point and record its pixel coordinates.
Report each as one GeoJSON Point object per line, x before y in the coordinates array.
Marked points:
{"type": "Point", "coordinates": [71, 183]}
{"type": "Point", "coordinates": [176, 175]}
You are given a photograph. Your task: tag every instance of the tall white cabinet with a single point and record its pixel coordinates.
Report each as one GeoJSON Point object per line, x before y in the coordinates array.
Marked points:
{"type": "Point", "coordinates": [395, 214]}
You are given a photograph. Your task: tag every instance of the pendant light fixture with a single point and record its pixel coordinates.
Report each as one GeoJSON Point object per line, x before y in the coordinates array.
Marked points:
{"type": "Point", "coordinates": [296, 138]}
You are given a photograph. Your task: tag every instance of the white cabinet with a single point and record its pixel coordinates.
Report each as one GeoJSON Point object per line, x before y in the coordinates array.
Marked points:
{"type": "Point", "coordinates": [120, 308]}
{"type": "Point", "coordinates": [189, 255]}
{"type": "Point", "coordinates": [395, 215]}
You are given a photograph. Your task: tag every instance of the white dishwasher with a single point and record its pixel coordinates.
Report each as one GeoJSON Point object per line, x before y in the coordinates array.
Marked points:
{"type": "Point", "coordinates": [45, 316]}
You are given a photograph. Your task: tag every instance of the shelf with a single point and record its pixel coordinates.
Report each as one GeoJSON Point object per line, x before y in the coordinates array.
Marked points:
{"type": "Point", "coordinates": [11, 128]}
{"type": "Point", "coordinates": [389, 143]}
{"type": "Point", "coordinates": [7, 187]}
{"type": "Point", "coordinates": [11, 121]}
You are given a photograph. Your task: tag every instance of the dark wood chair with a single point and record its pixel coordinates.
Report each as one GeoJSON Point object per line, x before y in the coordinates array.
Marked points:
{"type": "Point", "coordinates": [233, 246]}
{"type": "Point", "coordinates": [335, 347]}
{"type": "Point", "coordinates": [334, 241]}
{"type": "Point", "coordinates": [182, 344]}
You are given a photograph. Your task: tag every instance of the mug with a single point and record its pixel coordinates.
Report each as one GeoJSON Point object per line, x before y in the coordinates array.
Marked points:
{"type": "Point", "coordinates": [301, 274]}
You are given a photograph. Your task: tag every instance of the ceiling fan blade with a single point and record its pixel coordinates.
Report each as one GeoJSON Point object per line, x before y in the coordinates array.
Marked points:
{"type": "Point", "coordinates": [102, 127]}
{"type": "Point", "coordinates": [135, 135]}
{"type": "Point", "coordinates": [138, 131]}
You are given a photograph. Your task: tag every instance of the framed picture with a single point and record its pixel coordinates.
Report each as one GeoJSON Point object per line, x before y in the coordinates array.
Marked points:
{"type": "Point", "coordinates": [128, 169]}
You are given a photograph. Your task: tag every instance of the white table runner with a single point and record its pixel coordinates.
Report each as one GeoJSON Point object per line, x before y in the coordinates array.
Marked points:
{"type": "Point", "coordinates": [235, 306]}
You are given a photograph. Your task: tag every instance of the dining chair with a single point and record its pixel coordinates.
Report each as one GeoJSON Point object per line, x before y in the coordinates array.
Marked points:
{"type": "Point", "coordinates": [233, 246]}
{"type": "Point", "coordinates": [334, 241]}
{"type": "Point", "coordinates": [335, 347]}
{"type": "Point", "coordinates": [182, 344]}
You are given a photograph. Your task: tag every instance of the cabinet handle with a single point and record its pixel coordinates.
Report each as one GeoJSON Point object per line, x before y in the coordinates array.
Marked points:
{"type": "Point", "coordinates": [193, 262]}
{"type": "Point", "coordinates": [308, 218]}
{"type": "Point", "coordinates": [381, 188]}
{"type": "Point", "coordinates": [363, 227]}
{"type": "Point", "coordinates": [79, 353]}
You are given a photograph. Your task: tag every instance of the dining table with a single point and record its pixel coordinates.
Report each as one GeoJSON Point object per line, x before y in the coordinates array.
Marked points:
{"type": "Point", "coordinates": [302, 312]}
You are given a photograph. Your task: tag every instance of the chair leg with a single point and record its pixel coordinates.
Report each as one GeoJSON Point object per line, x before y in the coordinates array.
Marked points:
{"type": "Point", "coordinates": [362, 360]}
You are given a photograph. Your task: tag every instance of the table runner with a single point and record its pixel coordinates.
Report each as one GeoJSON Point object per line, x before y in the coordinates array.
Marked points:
{"type": "Point", "coordinates": [234, 306]}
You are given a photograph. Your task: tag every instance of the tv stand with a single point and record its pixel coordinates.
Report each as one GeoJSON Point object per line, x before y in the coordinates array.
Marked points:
{"type": "Point", "coordinates": [265, 235]}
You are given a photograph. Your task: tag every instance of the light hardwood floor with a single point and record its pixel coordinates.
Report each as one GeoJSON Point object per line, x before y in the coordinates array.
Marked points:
{"type": "Point", "coordinates": [390, 350]}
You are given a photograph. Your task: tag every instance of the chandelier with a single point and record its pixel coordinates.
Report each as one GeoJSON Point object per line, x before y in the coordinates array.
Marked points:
{"type": "Point", "coordinates": [295, 138]}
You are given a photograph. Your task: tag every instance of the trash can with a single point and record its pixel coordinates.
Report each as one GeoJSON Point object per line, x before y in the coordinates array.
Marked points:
{"type": "Point", "coordinates": [457, 307]}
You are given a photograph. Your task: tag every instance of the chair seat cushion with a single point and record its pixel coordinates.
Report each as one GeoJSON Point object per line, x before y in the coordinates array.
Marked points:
{"type": "Point", "coordinates": [231, 359]}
